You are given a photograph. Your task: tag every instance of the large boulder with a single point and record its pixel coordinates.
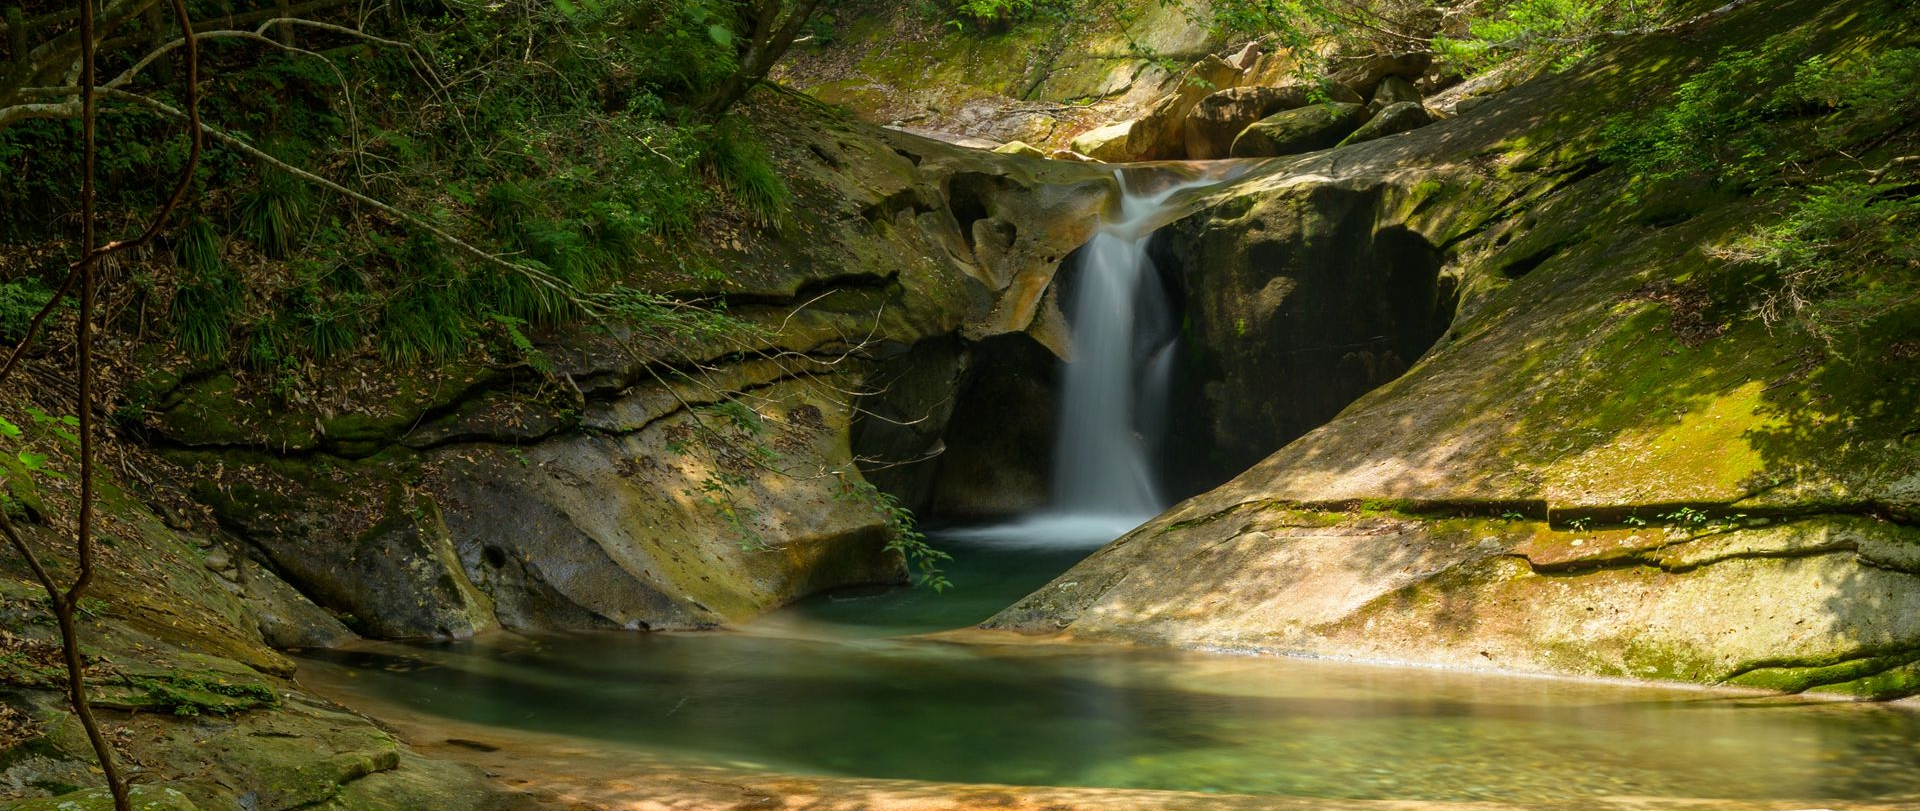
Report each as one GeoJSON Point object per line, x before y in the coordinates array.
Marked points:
{"type": "Point", "coordinates": [1391, 120]}
{"type": "Point", "coordinates": [1112, 143]}
{"type": "Point", "coordinates": [1394, 90]}
{"type": "Point", "coordinates": [1218, 118]}
{"type": "Point", "coordinates": [677, 510]}
{"type": "Point", "coordinates": [1161, 132]}
{"type": "Point", "coordinates": [1316, 126]}
{"type": "Point", "coordinates": [1365, 74]}
{"type": "Point", "coordinates": [1820, 601]}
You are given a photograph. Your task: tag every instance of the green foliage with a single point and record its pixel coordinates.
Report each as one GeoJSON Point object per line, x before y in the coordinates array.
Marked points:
{"type": "Point", "coordinates": [208, 300]}
{"type": "Point", "coordinates": [1545, 33]}
{"type": "Point", "coordinates": [19, 302]}
{"type": "Point", "coordinates": [1879, 84]}
{"type": "Point", "coordinates": [1712, 125]}
{"type": "Point", "coordinates": [998, 12]}
{"type": "Point", "coordinates": [425, 318]}
{"type": "Point", "coordinates": [903, 534]}
{"type": "Point", "coordinates": [272, 214]}
{"type": "Point", "coordinates": [559, 133]}
{"type": "Point", "coordinates": [1843, 256]}
{"type": "Point", "coordinates": [1840, 255]}
{"type": "Point", "coordinates": [748, 174]}
{"type": "Point", "coordinates": [665, 317]}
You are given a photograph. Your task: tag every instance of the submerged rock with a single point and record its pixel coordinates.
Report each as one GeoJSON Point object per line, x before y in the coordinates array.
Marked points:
{"type": "Point", "coordinates": [1306, 129]}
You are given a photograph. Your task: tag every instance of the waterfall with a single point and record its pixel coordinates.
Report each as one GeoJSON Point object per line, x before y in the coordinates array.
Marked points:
{"type": "Point", "coordinates": [1120, 319]}
{"type": "Point", "coordinates": [1114, 389]}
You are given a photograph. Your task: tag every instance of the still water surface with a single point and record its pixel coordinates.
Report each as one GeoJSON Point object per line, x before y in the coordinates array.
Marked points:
{"type": "Point", "coordinates": [825, 688]}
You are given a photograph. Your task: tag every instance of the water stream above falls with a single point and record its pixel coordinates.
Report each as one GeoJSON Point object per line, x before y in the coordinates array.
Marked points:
{"type": "Point", "coordinates": [838, 685]}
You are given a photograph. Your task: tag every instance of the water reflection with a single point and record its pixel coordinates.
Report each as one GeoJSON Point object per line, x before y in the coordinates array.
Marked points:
{"type": "Point", "coordinates": [1046, 716]}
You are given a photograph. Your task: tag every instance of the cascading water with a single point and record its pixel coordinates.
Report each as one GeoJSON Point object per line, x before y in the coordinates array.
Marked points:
{"type": "Point", "coordinates": [1114, 389]}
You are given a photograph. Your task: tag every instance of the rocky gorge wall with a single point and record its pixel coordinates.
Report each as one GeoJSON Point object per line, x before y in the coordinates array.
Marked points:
{"type": "Point", "coordinates": [651, 480]}
{"type": "Point", "coordinates": [1591, 472]}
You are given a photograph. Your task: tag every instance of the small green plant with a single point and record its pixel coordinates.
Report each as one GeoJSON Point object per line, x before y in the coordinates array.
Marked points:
{"type": "Point", "coordinates": [1686, 517]}
{"type": "Point", "coordinates": [1837, 260]}
{"type": "Point", "coordinates": [274, 212]}
{"type": "Point", "coordinates": [903, 535]}
{"type": "Point", "coordinates": [1512, 516]}
{"type": "Point", "coordinates": [746, 171]}
{"type": "Point", "coordinates": [209, 299]}
{"type": "Point", "coordinates": [1581, 524]}
{"type": "Point", "coordinates": [1549, 33]}
{"type": "Point", "coordinates": [1634, 521]}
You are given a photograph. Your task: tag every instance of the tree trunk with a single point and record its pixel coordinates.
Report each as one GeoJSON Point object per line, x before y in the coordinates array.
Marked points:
{"type": "Point", "coordinates": [772, 35]}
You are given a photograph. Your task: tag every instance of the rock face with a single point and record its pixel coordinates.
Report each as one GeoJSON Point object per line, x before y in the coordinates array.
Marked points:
{"type": "Point", "coordinates": [683, 481]}
{"type": "Point", "coordinates": [1217, 119]}
{"type": "Point", "coordinates": [1597, 470]}
{"type": "Point", "coordinates": [616, 527]}
{"type": "Point", "coordinates": [1839, 595]}
{"type": "Point", "coordinates": [1306, 129]}
{"type": "Point", "coordinates": [1310, 282]}
{"type": "Point", "coordinates": [202, 710]}
{"type": "Point", "coordinates": [1044, 81]}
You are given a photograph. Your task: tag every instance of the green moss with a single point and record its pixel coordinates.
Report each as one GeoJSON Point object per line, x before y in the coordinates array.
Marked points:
{"type": "Point", "coordinates": [144, 798]}
{"type": "Point", "coordinates": [1866, 677]}
{"type": "Point", "coordinates": [215, 412]}
{"type": "Point", "coordinates": [1893, 683]}
{"type": "Point", "coordinates": [197, 695]}
{"type": "Point", "coordinates": [191, 684]}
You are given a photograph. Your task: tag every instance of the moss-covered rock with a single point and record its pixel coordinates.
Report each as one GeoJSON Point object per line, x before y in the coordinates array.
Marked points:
{"type": "Point", "coordinates": [143, 798]}
{"type": "Point", "coordinates": [896, 64]}
{"type": "Point", "coordinates": [1392, 119]}
{"type": "Point", "coordinates": [1315, 126]}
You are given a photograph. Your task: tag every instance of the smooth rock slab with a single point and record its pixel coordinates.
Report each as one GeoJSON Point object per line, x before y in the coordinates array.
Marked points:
{"type": "Point", "coordinates": [1646, 603]}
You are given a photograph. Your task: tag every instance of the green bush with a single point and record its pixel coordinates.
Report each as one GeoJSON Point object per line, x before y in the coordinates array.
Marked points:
{"type": "Point", "coordinates": [743, 167]}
